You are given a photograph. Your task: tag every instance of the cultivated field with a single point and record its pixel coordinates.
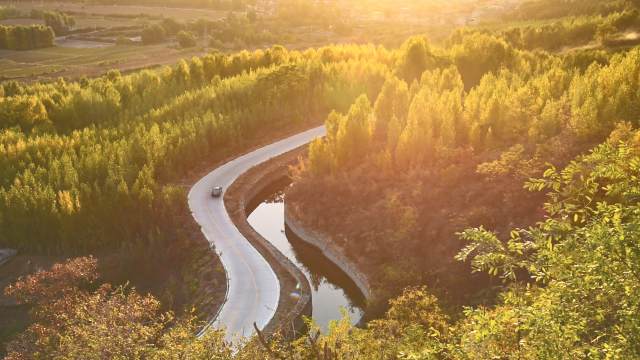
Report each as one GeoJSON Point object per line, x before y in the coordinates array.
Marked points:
{"type": "Point", "coordinates": [128, 11]}
{"type": "Point", "coordinates": [92, 48]}
{"type": "Point", "coordinates": [70, 62]}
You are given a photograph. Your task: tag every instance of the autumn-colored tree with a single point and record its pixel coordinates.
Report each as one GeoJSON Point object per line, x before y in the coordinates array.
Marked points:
{"type": "Point", "coordinates": [75, 317]}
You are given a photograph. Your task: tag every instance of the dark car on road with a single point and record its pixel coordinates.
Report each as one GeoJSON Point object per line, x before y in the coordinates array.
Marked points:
{"type": "Point", "coordinates": [216, 191]}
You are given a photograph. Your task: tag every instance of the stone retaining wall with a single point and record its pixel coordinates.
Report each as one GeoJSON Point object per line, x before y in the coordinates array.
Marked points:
{"type": "Point", "coordinates": [327, 247]}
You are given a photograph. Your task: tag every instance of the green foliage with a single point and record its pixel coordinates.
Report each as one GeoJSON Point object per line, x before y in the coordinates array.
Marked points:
{"type": "Point", "coordinates": [547, 9]}
{"type": "Point", "coordinates": [422, 143]}
{"type": "Point", "coordinates": [615, 100]}
{"type": "Point", "coordinates": [415, 58]}
{"type": "Point", "coordinates": [235, 29]}
{"type": "Point", "coordinates": [25, 37]}
{"type": "Point", "coordinates": [354, 134]}
{"type": "Point", "coordinates": [571, 32]}
{"type": "Point", "coordinates": [92, 160]}
{"type": "Point", "coordinates": [348, 138]}
{"type": "Point", "coordinates": [584, 257]}
{"type": "Point", "coordinates": [186, 39]}
{"type": "Point", "coordinates": [439, 114]}
{"type": "Point", "coordinates": [232, 29]}
{"type": "Point", "coordinates": [476, 54]}
{"type": "Point", "coordinates": [153, 34]}
{"type": "Point", "coordinates": [171, 26]}
{"type": "Point", "coordinates": [393, 101]}
{"type": "Point", "coordinates": [451, 151]}
{"type": "Point", "coordinates": [571, 281]}
{"type": "Point", "coordinates": [61, 23]}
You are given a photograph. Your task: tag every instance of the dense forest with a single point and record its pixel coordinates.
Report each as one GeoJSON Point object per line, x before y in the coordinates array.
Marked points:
{"type": "Point", "coordinates": [91, 159]}
{"type": "Point", "coordinates": [101, 162]}
{"type": "Point", "coordinates": [487, 186]}
{"type": "Point", "coordinates": [465, 137]}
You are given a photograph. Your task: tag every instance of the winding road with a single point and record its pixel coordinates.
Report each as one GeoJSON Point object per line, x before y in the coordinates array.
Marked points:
{"type": "Point", "coordinates": [253, 289]}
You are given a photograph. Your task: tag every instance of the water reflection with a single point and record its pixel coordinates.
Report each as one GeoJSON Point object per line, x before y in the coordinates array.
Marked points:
{"type": "Point", "coordinates": [332, 290]}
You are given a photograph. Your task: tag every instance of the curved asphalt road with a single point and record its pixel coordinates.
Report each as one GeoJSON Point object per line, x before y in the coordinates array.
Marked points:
{"type": "Point", "coordinates": [253, 289]}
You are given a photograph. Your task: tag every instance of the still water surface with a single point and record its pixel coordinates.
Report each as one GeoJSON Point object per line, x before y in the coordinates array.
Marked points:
{"type": "Point", "coordinates": [332, 290]}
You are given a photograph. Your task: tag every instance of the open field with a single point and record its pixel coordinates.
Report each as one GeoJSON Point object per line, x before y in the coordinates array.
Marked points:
{"type": "Point", "coordinates": [21, 21]}
{"type": "Point", "coordinates": [75, 56]}
{"type": "Point", "coordinates": [51, 63]}
{"type": "Point", "coordinates": [80, 54]}
{"type": "Point", "coordinates": [126, 11]}
{"type": "Point", "coordinates": [86, 21]}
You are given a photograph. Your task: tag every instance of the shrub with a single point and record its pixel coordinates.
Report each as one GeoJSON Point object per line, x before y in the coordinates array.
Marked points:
{"type": "Point", "coordinates": [186, 39]}
{"type": "Point", "coordinates": [61, 23]}
{"type": "Point", "coordinates": [153, 34]}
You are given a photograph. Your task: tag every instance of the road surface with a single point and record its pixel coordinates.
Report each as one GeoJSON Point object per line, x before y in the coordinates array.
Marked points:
{"type": "Point", "coordinates": [6, 255]}
{"type": "Point", "coordinates": [253, 289]}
